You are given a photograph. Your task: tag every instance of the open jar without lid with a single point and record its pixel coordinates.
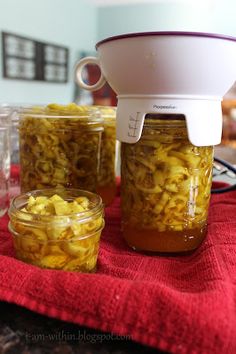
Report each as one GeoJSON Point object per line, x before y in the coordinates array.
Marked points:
{"type": "Point", "coordinates": [165, 188]}
{"type": "Point", "coordinates": [5, 159]}
{"type": "Point", "coordinates": [59, 147]}
{"type": "Point", "coordinates": [57, 228]}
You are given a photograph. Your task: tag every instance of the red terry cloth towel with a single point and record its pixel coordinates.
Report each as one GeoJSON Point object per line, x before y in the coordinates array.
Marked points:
{"type": "Point", "coordinates": [183, 304]}
{"type": "Point", "coordinates": [15, 173]}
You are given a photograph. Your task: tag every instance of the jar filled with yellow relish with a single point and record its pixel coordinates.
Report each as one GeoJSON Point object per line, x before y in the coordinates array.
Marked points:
{"type": "Point", "coordinates": [165, 188]}
{"type": "Point", "coordinates": [59, 147]}
{"type": "Point", "coordinates": [57, 228]}
{"type": "Point", "coordinates": [109, 148]}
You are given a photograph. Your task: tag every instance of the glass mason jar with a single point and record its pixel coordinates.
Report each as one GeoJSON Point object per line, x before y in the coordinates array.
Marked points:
{"type": "Point", "coordinates": [14, 139]}
{"type": "Point", "coordinates": [109, 146]}
{"type": "Point", "coordinates": [5, 126]}
{"type": "Point", "coordinates": [165, 189]}
{"type": "Point", "coordinates": [68, 241]}
{"type": "Point", "coordinates": [59, 147]}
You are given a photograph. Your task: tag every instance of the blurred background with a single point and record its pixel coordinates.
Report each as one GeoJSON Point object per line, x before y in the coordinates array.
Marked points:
{"type": "Point", "coordinates": [75, 26]}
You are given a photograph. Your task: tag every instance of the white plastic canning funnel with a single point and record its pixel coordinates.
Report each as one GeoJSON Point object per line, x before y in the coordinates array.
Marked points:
{"type": "Point", "coordinates": [167, 72]}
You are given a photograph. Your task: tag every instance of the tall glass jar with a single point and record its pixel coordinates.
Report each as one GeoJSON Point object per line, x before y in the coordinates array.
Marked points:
{"type": "Point", "coordinates": [59, 147]}
{"type": "Point", "coordinates": [165, 189]}
{"type": "Point", "coordinates": [109, 148]}
{"type": "Point", "coordinates": [5, 125]}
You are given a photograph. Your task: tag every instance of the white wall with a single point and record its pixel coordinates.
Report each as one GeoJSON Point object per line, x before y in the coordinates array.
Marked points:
{"type": "Point", "coordinates": [70, 23]}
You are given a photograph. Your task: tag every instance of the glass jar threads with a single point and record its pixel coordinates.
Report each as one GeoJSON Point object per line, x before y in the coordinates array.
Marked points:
{"type": "Point", "coordinates": [59, 147]}
{"type": "Point", "coordinates": [165, 188]}
{"type": "Point", "coordinates": [57, 228]}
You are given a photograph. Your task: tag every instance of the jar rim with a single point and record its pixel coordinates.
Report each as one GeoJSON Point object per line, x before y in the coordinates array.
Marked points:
{"type": "Point", "coordinates": [82, 217]}
{"type": "Point", "coordinates": [92, 121]}
{"type": "Point", "coordinates": [5, 112]}
{"type": "Point", "coordinates": [154, 120]}
{"type": "Point", "coordinates": [88, 114]}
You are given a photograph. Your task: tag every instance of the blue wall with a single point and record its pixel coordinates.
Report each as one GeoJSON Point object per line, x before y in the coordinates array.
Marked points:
{"type": "Point", "coordinates": [216, 16]}
{"type": "Point", "coordinates": [204, 16]}
{"type": "Point", "coordinates": [72, 23]}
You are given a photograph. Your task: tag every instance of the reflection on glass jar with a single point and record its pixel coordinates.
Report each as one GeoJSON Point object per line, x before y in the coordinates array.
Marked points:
{"type": "Point", "coordinates": [107, 173]}
{"type": "Point", "coordinates": [165, 189]}
{"type": "Point", "coordinates": [4, 159]}
{"type": "Point", "coordinates": [59, 147]}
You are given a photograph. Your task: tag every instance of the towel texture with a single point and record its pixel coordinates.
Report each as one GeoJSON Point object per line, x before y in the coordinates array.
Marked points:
{"type": "Point", "coordinates": [184, 304]}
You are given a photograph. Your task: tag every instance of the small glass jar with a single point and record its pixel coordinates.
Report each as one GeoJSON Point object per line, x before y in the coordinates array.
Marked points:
{"type": "Point", "coordinates": [165, 188]}
{"type": "Point", "coordinates": [59, 147]}
{"type": "Point", "coordinates": [69, 242]}
{"type": "Point", "coordinates": [109, 148]}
